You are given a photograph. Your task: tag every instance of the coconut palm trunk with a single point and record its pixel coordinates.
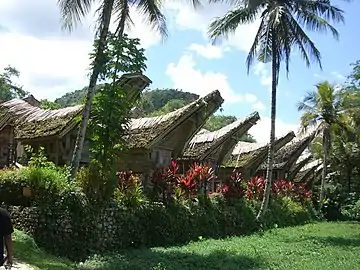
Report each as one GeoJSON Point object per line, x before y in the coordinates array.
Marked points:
{"type": "Point", "coordinates": [326, 146]}
{"type": "Point", "coordinates": [270, 158]}
{"type": "Point", "coordinates": [79, 144]}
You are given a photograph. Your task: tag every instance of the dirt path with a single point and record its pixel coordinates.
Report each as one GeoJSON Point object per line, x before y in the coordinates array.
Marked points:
{"type": "Point", "coordinates": [19, 266]}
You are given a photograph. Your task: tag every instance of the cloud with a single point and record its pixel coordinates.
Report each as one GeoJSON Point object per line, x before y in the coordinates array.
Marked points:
{"type": "Point", "coordinates": [259, 106]}
{"type": "Point", "coordinates": [39, 19]}
{"type": "Point", "coordinates": [40, 60]}
{"type": "Point", "coordinates": [318, 76]}
{"type": "Point", "coordinates": [338, 76]}
{"type": "Point", "coordinates": [251, 98]}
{"type": "Point", "coordinates": [263, 73]}
{"type": "Point", "coordinates": [261, 131]}
{"type": "Point", "coordinates": [184, 73]}
{"type": "Point", "coordinates": [208, 51]}
{"type": "Point", "coordinates": [52, 62]}
{"type": "Point", "coordinates": [186, 17]}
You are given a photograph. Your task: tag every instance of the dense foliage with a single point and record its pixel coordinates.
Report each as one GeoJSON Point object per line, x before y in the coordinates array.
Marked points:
{"type": "Point", "coordinates": [8, 89]}
{"type": "Point", "coordinates": [62, 217]}
{"type": "Point", "coordinates": [110, 112]}
{"type": "Point", "coordinates": [337, 112]}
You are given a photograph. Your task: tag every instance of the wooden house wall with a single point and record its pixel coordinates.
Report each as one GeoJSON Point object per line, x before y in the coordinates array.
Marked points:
{"type": "Point", "coordinates": [144, 160]}
{"type": "Point", "coordinates": [277, 174]}
{"type": "Point", "coordinates": [6, 145]}
{"type": "Point", "coordinates": [57, 150]}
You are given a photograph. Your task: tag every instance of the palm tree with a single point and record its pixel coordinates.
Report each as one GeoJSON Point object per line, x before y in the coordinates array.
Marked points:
{"type": "Point", "coordinates": [282, 24]}
{"type": "Point", "coordinates": [329, 111]}
{"type": "Point", "coordinates": [73, 11]}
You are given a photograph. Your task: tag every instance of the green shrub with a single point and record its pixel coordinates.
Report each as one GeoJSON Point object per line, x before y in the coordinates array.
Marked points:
{"type": "Point", "coordinates": [351, 207]}
{"type": "Point", "coordinates": [283, 211]}
{"type": "Point", "coordinates": [75, 227]}
{"type": "Point", "coordinates": [83, 218]}
{"type": "Point", "coordinates": [43, 182]}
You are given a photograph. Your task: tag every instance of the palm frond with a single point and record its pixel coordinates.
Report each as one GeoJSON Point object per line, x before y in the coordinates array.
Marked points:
{"type": "Point", "coordinates": [253, 50]}
{"type": "Point", "coordinates": [73, 11]}
{"type": "Point", "coordinates": [314, 22]}
{"type": "Point", "coordinates": [122, 12]}
{"type": "Point", "coordinates": [150, 10]}
{"type": "Point", "coordinates": [303, 42]}
{"type": "Point", "coordinates": [322, 8]}
{"type": "Point", "coordinates": [221, 27]}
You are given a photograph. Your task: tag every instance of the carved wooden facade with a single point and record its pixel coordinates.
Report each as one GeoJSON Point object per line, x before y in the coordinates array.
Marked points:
{"type": "Point", "coordinates": [154, 141]}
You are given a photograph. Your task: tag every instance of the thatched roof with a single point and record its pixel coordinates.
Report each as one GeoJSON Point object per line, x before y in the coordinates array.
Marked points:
{"type": "Point", "coordinates": [33, 122]}
{"type": "Point", "coordinates": [301, 162]}
{"type": "Point", "coordinates": [308, 170]}
{"type": "Point", "coordinates": [288, 155]}
{"type": "Point", "coordinates": [245, 153]}
{"type": "Point", "coordinates": [203, 130]}
{"type": "Point", "coordinates": [32, 101]}
{"type": "Point", "coordinates": [205, 143]}
{"type": "Point", "coordinates": [145, 132]}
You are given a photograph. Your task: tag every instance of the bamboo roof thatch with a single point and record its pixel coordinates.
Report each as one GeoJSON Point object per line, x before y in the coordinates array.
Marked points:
{"type": "Point", "coordinates": [33, 122]}
{"type": "Point", "coordinates": [205, 143]}
{"type": "Point", "coordinates": [288, 155]}
{"type": "Point", "coordinates": [301, 162]}
{"type": "Point", "coordinates": [308, 170]}
{"type": "Point", "coordinates": [146, 132]}
{"type": "Point", "coordinates": [245, 154]}
{"type": "Point", "coordinates": [32, 101]}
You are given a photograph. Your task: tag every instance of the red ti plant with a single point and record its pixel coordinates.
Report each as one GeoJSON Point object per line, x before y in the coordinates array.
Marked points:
{"type": "Point", "coordinates": [255, 188]}
{"type": "Point", "coordinates": [196, 179]}
{"type": "Point", "coordinates": [282, 187]}
{"type": "Point", "coordinates": [302, 193]}
{"type": "Point", "coordinates": [165, 181]}
{"type": "Point", "coordinates": [125, 181]}
{"type": "Point", "coordinates": [233, 187]}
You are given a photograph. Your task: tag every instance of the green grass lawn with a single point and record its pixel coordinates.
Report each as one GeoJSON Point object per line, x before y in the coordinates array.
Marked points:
{"type": "Point", "coordinates": [314, 246]}
{"type": "Point", "coordinates": [27, 251]}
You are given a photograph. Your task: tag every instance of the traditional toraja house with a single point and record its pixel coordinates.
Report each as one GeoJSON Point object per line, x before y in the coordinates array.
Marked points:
{"type": "Point", "coordinates": [247, 157]}
{"type": "Point", "coordinates": [286, 157]}
{"type": "Point", "coordinates": [308, 171]}
{"type": "Point", "coordinates": [154, 141]}
{"type": "Point", "coordinates": [301, 162]}
{"type": "Point", "coordinates": [216, 146]}
{"type": "Point", "coordinates": [56, 130]}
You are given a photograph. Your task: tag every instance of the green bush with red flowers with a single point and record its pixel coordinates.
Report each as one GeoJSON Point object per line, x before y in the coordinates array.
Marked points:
{"type": "Point", "coordinates": [174, 209]}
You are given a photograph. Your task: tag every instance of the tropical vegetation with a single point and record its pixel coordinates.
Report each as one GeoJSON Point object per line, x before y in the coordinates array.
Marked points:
{"type": "Point", "coordinates": [281, 30]}
{"type": "Point", "coordinates": [103, 211]}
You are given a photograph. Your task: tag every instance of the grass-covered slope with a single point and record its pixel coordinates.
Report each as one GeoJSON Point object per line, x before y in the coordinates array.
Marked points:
{"type": "Point", "coordinates": [27, 251]}
{"type": "Point", "coordinates": [319, 246]}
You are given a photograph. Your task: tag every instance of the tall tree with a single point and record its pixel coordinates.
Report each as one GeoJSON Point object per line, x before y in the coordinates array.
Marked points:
{"type": "Point", "coordinates": [73, 11]}
{"type": "Point", "coordinates": [8, 90]}
{"type": "Point", "coordinates": [281, 28]}
{"type": "Point", "coordinates": [326, 109]}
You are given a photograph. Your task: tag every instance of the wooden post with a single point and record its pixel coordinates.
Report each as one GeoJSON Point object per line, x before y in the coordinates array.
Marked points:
{"type": "Point", "coordinates": [57, 151]}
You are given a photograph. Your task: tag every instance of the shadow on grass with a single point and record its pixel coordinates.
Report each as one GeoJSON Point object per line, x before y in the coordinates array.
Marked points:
{"type": "Point", "coordinates": [148, 259]}
{"type": "Point", "coordinates": [351, 241]}
{"type": "Point", "coordinates": [338, 241]}
{"type": "Point", "coordinates": [27, 251]}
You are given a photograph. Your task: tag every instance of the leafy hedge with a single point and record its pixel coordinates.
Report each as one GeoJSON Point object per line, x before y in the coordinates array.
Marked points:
{"type": "Point", "coordinates": [67, 222]}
